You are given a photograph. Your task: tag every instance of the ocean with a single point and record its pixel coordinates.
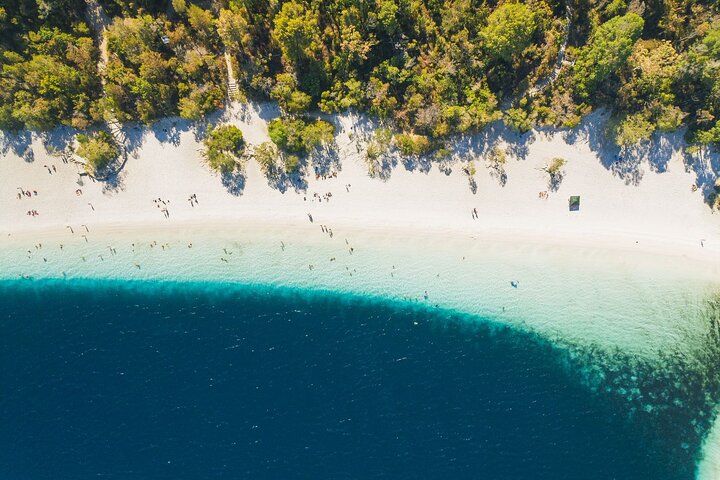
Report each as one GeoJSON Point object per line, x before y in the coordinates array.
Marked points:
{"type": "Point", "coordinates": [118, 379]}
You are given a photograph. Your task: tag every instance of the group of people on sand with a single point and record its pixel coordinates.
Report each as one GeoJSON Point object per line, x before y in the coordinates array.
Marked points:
{"type": "Point", "coordinates": [474, 213]}
{"type": "Point", "coordinates": [326, 176]}
{"type": "Point", "coordinates": [327, 230]}
{"type": "Point", "coordinates": [193, 200]}
{"type": "Point", "coordinates": [33, 213]}
{"type": "Point", "coordinates": [26, 193]}
{"type": "Point", "coordinates": [325, 197]}
{"type": "Point", "coordinates": [158, 202]}
{"type": "Point", "coordinates": [543, 194]}
{"type": "Point", "coordinates": [51, 169]}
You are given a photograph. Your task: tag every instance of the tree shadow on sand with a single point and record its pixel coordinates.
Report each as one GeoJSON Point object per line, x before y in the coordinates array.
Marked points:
{"type": "Point", "coordinates": [113, 183]}
{"type": "Point", "coordinates": [499, 174]}
{"type": "Point", "coordinates": [325, 160]}
{"type": "Point", "coordinates": [169, 130]}
{"type": "Point", "coordinates": [202, 127]}
{"type": "Point", "coordinates": [361, 131]}
{"type": "Point", "coordinates": [19, 143]}
{"type": "Point", "coordinates": [417, 163]}
{"type": "Point", "coordinates": [283, 181]}
{"type": "Point", "coordinates": [624, 162]}
{"type": "Point", "coordinates": [382, 167]}
{"type": "Point", "coordinates": [705, 164]}
{"type": "Point", "coordinates": [475, 145]}
{"type": "Point", "coordinates": [472, 184]}
{"type": "Point", "coordinates": [555, 180]}
{"type": "Point", "coordinates": [234, 182]}
{"type": "Point", "coordinates": [480, 145]}
{"type": "Point", "coordinates": [58, 140]}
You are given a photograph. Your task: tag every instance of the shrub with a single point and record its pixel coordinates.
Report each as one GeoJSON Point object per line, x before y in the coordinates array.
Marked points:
{"type": "Point", "coordinates": [555, 166]}
{"type": "Point", "coordinates": [497, 157]}
{"type": "Point", "coordinates": [223, 148]}
{"type": "Point", "coordinates": [299, 136]}
{"type": "Point", "coordinates": [98, 150]}
{"type": "Point", "coordinates": [411, 144]}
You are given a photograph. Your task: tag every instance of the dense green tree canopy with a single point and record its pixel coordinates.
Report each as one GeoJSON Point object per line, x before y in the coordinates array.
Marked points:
{"type": "Point", "coordinates": [431, 68]}
{"type": "Point", "coordinates": [52, 80]}
{"type": "Point", "coordinates": [509, 30]}
{"type": "Point", "coordinates": [609, 46]}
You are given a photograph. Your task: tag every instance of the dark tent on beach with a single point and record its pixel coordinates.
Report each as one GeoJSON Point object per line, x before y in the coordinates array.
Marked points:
{"type": "Point", "coordinates": [574, 203]}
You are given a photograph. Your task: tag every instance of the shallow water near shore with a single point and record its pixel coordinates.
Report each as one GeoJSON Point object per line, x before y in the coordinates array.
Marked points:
{"type": "Point", "coordinates": [635, 302]}
{"type": "Point", "coordinates": [129, 379]}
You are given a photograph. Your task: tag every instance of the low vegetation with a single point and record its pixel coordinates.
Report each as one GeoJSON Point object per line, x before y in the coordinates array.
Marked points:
{"type": "Point", "coordinates": [496, 160]}
{"type": "Point", "coordinates": [555, 171]}
{"type": "Point", "coordinates": [99, 150]}
{"type": "Point", "coordinates": [224, 147]}
{"type": "Point", "coordinates": [300, 136]}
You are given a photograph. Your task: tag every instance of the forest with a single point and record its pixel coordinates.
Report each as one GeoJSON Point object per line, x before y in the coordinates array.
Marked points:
{"type": "Point", "coordinates": [428, 68]}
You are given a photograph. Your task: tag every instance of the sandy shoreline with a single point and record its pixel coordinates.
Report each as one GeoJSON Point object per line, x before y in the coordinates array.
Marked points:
{"type": "Point", "coordinates": [699, 262]}
{"type": "Point", "coordinates": [656, 209]}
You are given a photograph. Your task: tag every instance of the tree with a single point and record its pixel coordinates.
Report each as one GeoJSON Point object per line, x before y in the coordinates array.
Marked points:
{"type": "Point", "coordinates": [300, 136]}
{"type": "Point", "coordinates": [291, 163]}
{"type": "Point", "coordinates": [518, 119]}
{"type": "Point", "coordinates": [609, 46]}
{"type": "Point", "coordinates": [317, 133]}
{"type": "Point", "coordinates": [387, 13]}
{"type": "Point", "coordinates": [267, 155]}
{"type": "Point", "coordinates": [180, 6]}
{"type": "Point", "coordinates": [297, 33]}
{"type": "Point", "coordinates": [411, 144]}
{"type": "Point", "coordinates": [234, 30]}
{"type": "Point", "coordinates": [287, 134]}
{"type": "Point", "coordinates": [646, 96]}
{"type": "Point", "coordinates": [431, 68]}
{"type": "Point", "coordinates": [285, 92]}
{"type": "Point", "coordinates": [201, 21]}
{"type": "Point", "coordinates": [99, 150]}
{"type": "Point", "coordinates": [379, 145]}
{"type": "Point", "coordinates": [555, 170]}
{"type": "Point", "coordinates": [700, 86]}
{"type": "Point", "coordinates": [52, 82]}
{"type": "Point", "coordinates": [555, 166]}
{"type": "Point", "coordinates": [200, 101]}
{"type": "Point", "coordinates": [509, 31]}
{"type": "Point", "coordinates": [223, 148]}
{"type": "Point", "coordinates": [496, 160]}
{"type": "Point", "coordinates": [633, 129]}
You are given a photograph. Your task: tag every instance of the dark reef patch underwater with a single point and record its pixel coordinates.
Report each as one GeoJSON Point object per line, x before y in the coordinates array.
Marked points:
{"type": "Point", "coordinates": [132, 380]}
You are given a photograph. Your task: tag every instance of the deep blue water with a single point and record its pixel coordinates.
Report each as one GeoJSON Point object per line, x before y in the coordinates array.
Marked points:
{"type": "Point", "coordinates": [194, 382]}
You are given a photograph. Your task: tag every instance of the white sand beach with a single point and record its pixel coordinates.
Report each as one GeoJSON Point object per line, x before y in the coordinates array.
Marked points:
{"type": "Point", "coordinates": [630, 270]}
{"type": "Point", "coordinates": [649, 209]}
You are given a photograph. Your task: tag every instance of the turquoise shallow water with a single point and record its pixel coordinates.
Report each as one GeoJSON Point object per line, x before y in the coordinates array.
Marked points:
{"type": "Point", "coordinates": [632, 301]}
{"type": "Point", "coordinates": [150, 379]}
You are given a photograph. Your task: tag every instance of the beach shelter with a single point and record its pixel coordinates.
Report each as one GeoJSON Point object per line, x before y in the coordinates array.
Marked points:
{"type": "Point", "coordinates": [574, 203]}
